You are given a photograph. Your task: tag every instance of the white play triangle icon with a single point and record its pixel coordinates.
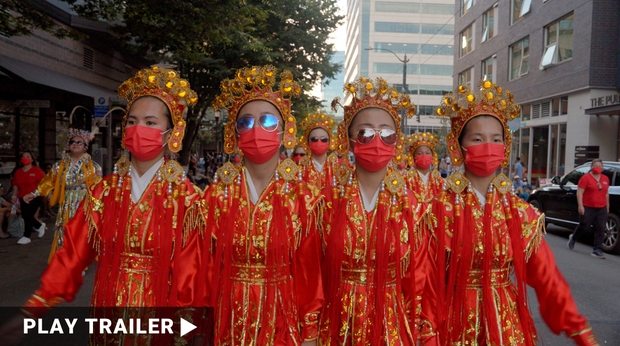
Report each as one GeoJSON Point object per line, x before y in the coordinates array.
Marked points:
{"type": "Point", "coordinates": [186, 327]}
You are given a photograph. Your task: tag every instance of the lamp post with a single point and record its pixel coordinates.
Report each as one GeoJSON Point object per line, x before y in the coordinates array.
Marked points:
{"type": "Point", "coordinates": [404, 60]}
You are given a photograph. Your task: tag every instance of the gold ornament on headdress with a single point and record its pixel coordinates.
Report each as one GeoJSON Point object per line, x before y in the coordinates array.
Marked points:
{"type": "Point", "coordinates": [420, 139]}
{"type": "Point", "coordinates": [368, 94]}
{"type": "Point", "coordinates": [317, 121]}
{"type": "Point", "coordinates": [166, 85]}
{"type": "Point", "coordinates": [464, 105]}
{"type": "Point", "coordinates": [253, 84]}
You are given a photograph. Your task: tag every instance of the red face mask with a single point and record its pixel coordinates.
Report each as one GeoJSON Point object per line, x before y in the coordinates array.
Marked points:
{"type": "Point", "coordinates": [595, 170]}
{"type": "Point", "coordinates": [319, 148]}
{"type": "Point", "coordinates": [423, 161]}
{"type": "Point", "coordinates": [484, 159]}
{"type": "Point", "coordinates": [373, 156]}
{"type": "Point", "coordinates": [237, 159]}
{"type": "Point", "coordinates": [143, 142]}
{"type": "Point", "coordinates": [297, 159]}
{"type": "Point", "coordinates": [25, 161]}
{"type": "Point", "coordinates": [401, 166]}
{"type": "Point", "coordinates": [258, 145]}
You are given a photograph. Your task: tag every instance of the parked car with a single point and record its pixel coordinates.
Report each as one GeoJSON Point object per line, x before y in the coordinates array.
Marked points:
{"type": "Point", "coordinates": [559, 202]}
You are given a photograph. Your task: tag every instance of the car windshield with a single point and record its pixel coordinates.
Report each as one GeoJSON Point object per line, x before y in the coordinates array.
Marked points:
{"type": "Point", "coordinates": [572, 177]}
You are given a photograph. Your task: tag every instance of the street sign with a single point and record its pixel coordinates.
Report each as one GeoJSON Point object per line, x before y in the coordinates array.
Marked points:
{"type": "Point", "coordinates": [32, 103]}
{"type": "Point", "coordinates": [591, 148]}
{"type": "Point", "coordinates": [102, 106]}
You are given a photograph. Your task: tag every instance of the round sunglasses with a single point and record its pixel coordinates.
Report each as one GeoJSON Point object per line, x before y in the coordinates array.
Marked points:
{"type": "Point", "coordinates": [365, 136]}
{"type": "Point", "coordinates": [268, 122]}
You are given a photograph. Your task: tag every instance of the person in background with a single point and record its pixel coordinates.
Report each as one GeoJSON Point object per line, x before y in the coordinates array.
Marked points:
{"type": "Point", "coordinates": [517, 183]}
{"type": "Point", "coordinates": [424, 180]}
{"type": "Point", "coordinates": [518, 168]}
{"type": "Point", "coordinates": [299, 154]}
{"type": "Point", "coordinates": [25, 181]}
{"type": "Point", "coordinates": [5, 210]}
{"type": "Point", "coordinates": [593, 206]}
{"type": "Point", "coordinates": [443, 166]}
{"type": "Point", "coordinates": [317, 139]}
{"type": "Point", "coordinates": [527, 185]}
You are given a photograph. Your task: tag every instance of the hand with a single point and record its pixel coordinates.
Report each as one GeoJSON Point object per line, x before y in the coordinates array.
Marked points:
{"type": "Point", "coordinates": [12, 332]}
{"type": "Point", "coordinates": [309, 343]}
{"type": "Point", "coordinates": [28, 198]}
{"type": "Point", "coordinates": [581, 210]}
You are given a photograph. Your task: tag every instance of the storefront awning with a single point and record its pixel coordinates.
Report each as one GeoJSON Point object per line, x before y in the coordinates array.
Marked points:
{"type": "Point", "coordinates": [40, 75]}
{"type": "Point", "coordinates": [607, 110]}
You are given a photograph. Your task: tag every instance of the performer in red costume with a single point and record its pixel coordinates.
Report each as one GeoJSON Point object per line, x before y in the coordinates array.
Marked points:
{"type": "Point", "coordinates": [376, 262]}
{"type": "Point", "coordinates": [486, 235]}
{"type": "Point", "coordinates": [317, 140]}
{"type": "Point", "coordinates": [268, 288]}
{"type": "Point", "coordinates": [142, 221]}
{"type": "Point", "coordinates": [424, 179]}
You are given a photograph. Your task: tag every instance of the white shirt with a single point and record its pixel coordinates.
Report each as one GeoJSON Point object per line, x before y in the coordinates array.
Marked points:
{"type": "Point", "coordinates": [481, 197]}
{"type": "Point", "coordinates": [369, 205]}
{"type": "Point", "coordinates": [317, 165]}
{"type": "Point", "coordinates": [425, 177]}
{"type": "Point", "coordinates": [251, 188]}
{"type": "Point", "coordinates": [139, 184]}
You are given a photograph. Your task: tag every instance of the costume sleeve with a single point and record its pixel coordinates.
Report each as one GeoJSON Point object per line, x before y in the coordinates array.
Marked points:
{"type": "Point", "coordinates": [63, 277]}
{"type": "Point", "coordinates": [557, 306]}
{"type": "Point", "coordinates": [46, 185]}
{"type": "Point", "coordinates": [308, 279]}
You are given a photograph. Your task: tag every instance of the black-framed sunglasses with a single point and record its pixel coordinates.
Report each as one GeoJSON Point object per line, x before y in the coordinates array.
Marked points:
{"type": "Point", "coordinates": [600, 187]}
{"type": "Point", "coordinates": [268, 122]}
{"type": "Point", "coordinates": [365, 136]}
{"type": "Point", "coordinates": [299, 154]}
{"type": "Point", "coordinates": [316, 139]}
{"type": "Point", "coordinates": [76, 142]}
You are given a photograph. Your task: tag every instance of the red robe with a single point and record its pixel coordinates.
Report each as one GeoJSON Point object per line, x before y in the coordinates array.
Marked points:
{"type": "Point", "coordinates": [353, 300]}
{"type": "Point", "coordinates": [425, 191]}
{"type": "Point", "coordinates": [323, 178]}
{"type": "Point", "coordinates": [139, 247]}
{"type": "Point", "coordinates": [256, 304]}
{"type": "Point", "coordinates": [504, 238]}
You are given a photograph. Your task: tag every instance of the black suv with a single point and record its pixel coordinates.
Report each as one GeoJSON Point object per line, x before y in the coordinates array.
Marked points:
{"type": "Point", "coordinates": [559, 202]}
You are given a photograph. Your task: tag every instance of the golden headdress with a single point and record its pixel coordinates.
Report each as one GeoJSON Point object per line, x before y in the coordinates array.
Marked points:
{"type": "Point", "coordinates": [464, 105]}
{"type": "Point", "coordinates": [368, 94]}
{"type": "Point", "coordinates": [315, 121]}
{"type": "Point", "coordinates": [166, 85]}
{"type": "Point", "coordinates": [419, 139]}
{"type": "Point", "coordinates": [253, 84]}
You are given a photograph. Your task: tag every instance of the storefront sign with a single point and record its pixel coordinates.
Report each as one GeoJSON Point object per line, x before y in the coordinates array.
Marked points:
{"type": "Point", "coordinates": [605, 100]}
{"type": "Point", "coordinates": [102, 106]}
{"type": "Point", "coordinates": [586, 153]}
{"type": "Point", "coordinates": [32, 103]}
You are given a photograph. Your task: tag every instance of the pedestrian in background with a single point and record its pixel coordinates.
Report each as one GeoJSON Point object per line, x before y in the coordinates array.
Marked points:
{"type": "Point", "coordinates": [517, 183]}
{"type": "Point", "coordinates": [25, 181]}
{"type": "Point", "coordinates": [593, 202]}
{"type": "Point", "coordinates": [518, 168]}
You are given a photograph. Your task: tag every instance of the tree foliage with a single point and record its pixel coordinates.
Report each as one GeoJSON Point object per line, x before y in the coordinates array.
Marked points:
{"type": "Point", "coordinates": [21, 17]}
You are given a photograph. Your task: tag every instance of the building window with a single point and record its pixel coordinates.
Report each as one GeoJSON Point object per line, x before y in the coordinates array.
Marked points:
{"type": "Point", "coordinates": [558, 41]}
{"type": "Point", "coordinates": [384, 67]}
{"type": "Point", "coordinates": [437, 49]}
{"type": "Point", "coordinates": [487, 69]}
{"type": "Point", "coordinates": [89, 58]}
{"type": "Point", "coordinates": [438, 29]}
{"type": "Point", "coordinates": [407, 28]}
{"type": "Point", "coordinates": [467, 40]}
{"type": "Point", "coordinates": [412, 89]}
{"type": "Point", "coordinates": [409, 48]}
{"type": "Point", "coordinates": [465, 77]}
{"type": "Point", "coordinates": [404, 7]}
{"type": "Point", "coordinates": [488, 24]}
{"type": "Point", "coordinates": [518, 9]}
{"type": "Point", "coordinates": [466, 5]}
{"type": "Point", "coordinates": [437, 9]}
{"type": "Point", "coordinates": [425, 110]}
{"type": "Point", "coordinates": [436, 70]}
{"type": "Point", "coordinates": [559, 106]}
{"type": "Point", "coordinates": [519, 58]}
{"type": "Point", "coordinates": [526, 112]}
{"type": "Point", "coordinates": [435, 89]}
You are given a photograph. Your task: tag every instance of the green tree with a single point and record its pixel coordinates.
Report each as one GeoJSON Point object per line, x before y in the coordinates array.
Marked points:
{"type": "Point", "coordinates": [21, 17]}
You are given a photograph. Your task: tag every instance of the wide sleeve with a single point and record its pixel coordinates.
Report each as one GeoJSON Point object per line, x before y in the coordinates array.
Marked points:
{"type": "Point", "coordinates": [557, 306]}
{"type": "Point", "coordinates": [46, 185]}
{"type": "Point", "coordinates": [308, 279]}
{"type": "Point", "coordinates": [63, 277]}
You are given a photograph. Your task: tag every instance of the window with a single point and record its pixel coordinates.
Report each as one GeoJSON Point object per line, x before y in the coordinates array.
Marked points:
{"type": "Point", "coordinates": [487, 69]}
{"type": "Point", "coordinates": [573, 177]}
{"type": "Point", "coordinates": [412, 89]}
{"type": "Point", "coordinates": [409, 48]}
{"type": "Point", "coordinates": [526, 113]}
{"type": "Point", "coordinates": [400, 7]}
{"type": "Point", "coordinates": [383, 67]}
{"type": "Point", "coordinates": [425, 110]}
{"type": "Point", "coordinates": [558, 41]}
{"type": "Point", "coordinates": [437, 49]}
{"type": "Point", "coordinates": [467, 40]}
{"type": "Point", "coordinates": [437, 8]}
{"type": "Point", "coordinates": [437, 70]}
{"type": "Point", "coordinates": [89, 58]}
{"type": "Point", "coordinates": [518, 9]}
{"type": "Point", "coordinates": [438, 29]}
{"type": "Point", "coordinates": [519, 58]}
{"type": "Point", "coordinates": [465, 77]}
{"type": "Point", "coordinates": [407, 28]}
{"type": "Point", "coordinates": [559, 106]}
{"type": "Point", "coordinates": [435, 89]}
{"type": "Point", "coordinates": [488, 24]}
{"type": "Point", "coordinates": [466, 5]}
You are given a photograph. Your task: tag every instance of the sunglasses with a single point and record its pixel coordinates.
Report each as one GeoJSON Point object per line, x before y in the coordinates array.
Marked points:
{"type": "Point", "coordinates": [365, 136]}
{"type": "Point", "coordinates": [299, 154]}
{"type": "Point", "coordinates": [600, 187]}
{"type": "Point", "coordinates": [268, 122]}
{"type": "Point", "coordinates": [76, 142]}
{"type": "Point", "coordinates": [316, 139]}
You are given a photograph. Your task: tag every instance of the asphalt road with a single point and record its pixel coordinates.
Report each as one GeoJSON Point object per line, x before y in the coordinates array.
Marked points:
{"type": "Point", "coordinates": [595, 283]}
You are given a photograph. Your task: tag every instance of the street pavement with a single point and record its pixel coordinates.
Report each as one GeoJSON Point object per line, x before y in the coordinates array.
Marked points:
{"type": "Point", "coordinates": [595, 283]}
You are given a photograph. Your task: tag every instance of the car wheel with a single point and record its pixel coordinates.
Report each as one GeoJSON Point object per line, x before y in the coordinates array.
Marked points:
{"type": "Point", "coordinates": [611, 243]}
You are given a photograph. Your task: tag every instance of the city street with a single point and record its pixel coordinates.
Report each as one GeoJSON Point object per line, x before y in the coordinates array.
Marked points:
{"type": "Point", "coordinates": [594, 283]}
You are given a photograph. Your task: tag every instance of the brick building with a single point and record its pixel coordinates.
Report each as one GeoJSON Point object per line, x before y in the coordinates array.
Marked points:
{"type": "Point", "coordinates": [44, 80]}
{"type": "Point", "coordinates": [561, 60]}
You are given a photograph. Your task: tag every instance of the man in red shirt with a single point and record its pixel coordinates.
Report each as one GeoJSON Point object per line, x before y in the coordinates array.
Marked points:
{"type": "Point", "coordinates": [593, 201]}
